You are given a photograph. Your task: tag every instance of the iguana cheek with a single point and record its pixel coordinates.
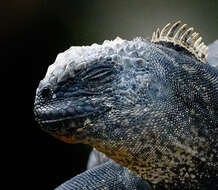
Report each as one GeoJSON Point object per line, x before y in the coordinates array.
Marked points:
{"type": "Point", "coordinates": [69, 140]}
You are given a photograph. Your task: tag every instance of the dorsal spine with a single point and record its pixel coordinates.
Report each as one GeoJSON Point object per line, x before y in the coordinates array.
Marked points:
{"type": "Point", "coordinates": [183, 37]}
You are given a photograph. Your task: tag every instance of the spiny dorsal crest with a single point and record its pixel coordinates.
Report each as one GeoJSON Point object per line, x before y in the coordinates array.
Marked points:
{"type": "Point", "coordinates": [183, 37]}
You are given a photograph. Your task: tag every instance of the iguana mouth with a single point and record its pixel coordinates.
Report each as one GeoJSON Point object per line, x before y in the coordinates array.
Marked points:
{"type": "Point", "coordinates": [65, 122]}
{"type": "Point", "coordinates": [56, 124]}
{"type": "Point", "coordinates": [64, 129]}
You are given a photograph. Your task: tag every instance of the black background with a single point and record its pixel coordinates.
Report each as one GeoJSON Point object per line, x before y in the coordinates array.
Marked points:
{"type": "Point", "coordinates": [32, 33]}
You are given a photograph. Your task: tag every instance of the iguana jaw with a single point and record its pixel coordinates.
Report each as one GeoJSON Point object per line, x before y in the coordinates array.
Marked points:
{"type": "Point", "coordinates": [69, 140]}
{"type": "Point", "coordinates": [71, 127]}
{"type": "Point", "coordinates": [64, 130]}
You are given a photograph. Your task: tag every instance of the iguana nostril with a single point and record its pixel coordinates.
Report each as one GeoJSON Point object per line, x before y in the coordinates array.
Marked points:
{"type": "Point", "coordinates": [46, 93]}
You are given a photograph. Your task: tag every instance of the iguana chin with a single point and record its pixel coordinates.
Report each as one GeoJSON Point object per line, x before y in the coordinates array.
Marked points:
{"type": "Point", "coordinates": [151, 107]}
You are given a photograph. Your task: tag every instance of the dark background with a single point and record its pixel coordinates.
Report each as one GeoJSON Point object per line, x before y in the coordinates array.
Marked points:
{"type": "Point", "coordinates": [32, 33]}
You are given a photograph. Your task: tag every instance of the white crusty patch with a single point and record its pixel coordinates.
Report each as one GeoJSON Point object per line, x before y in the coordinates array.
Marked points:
{"type": "Point", "coordinates": [77, 57]}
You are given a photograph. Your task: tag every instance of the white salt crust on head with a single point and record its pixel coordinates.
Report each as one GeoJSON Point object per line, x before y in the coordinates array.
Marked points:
{"type": "Point", "coordinates": [78, 57]}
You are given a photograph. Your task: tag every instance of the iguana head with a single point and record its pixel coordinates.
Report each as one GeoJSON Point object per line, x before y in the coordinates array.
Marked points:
{"type": "Point", "coordinates": [150, 106]}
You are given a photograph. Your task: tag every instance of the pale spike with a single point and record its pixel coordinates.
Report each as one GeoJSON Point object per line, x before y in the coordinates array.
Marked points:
{"type": "Point", "coordinates": [200, 46]}
{"type": "Point", "coordinates": [183, 37]}
{"type": "Point", "coordinates": [158, 34]}
{"type": "Point", "coordinates": [164, 31]}
{"type": "Point", "coordinates": [206, 51]}
{"type": "Point", "coordinates": [186, 35]}
{"type": "Point", "coordinates": [180, 32]}
{"type": "Point", "coordinates": [153, 37]}
{"type": "Point", "coordinates": [194, 42]}
{"type": "Point", "coordinates": [195, 36]}
{"type": "Point", "coordinates": [194, 39]}
{"type": "Point", "coordinates": [199, 49]}
{"type": "Point", "coordinates": [173, 29]}
{"type": "Point", "coordinates": [203, 49]}
{"type": "Point", "coordinates": [191, 38]}
{"type": "Point", "coordinates": [197, 42]}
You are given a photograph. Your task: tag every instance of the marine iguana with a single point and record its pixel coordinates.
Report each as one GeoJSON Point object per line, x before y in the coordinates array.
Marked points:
{"type": "Point", "coordinates": [149, 106]}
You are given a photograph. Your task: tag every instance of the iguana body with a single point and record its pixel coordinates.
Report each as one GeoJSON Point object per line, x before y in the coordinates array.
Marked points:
{"type": "Point", "coordinates": [151, 107]}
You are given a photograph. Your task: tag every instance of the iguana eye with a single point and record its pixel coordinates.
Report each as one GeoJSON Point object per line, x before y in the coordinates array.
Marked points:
{"type": "Point", "coordinates": [46, 93]}
{"type": "Point", "coordinates": [98, 73]}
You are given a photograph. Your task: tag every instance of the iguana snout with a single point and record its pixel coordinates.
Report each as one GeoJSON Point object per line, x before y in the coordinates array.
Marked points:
{"type": "Point", "coordinates": [63, 117]}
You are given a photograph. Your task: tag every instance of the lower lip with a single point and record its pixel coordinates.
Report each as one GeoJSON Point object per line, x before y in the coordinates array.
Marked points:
{"type": "Point", "coordinates": [69, 140]}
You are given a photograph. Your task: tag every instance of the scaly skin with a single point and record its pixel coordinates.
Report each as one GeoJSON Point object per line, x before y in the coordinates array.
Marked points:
{"type": "Point", "coordinates": [150, 107]}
